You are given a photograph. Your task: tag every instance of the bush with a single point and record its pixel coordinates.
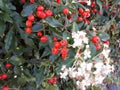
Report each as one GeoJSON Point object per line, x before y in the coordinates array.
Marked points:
{"type": "Point", "coordinates": [37, 38]}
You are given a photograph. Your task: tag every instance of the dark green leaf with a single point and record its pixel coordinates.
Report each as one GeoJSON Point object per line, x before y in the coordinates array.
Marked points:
{"type": "Point", "coordinates": [104, 36]}
{"type": "Point", "coordinates": [8, 38]}
{"type": "Point", "coordinates": [37, 27]}
{"type": "Point", "coordinates": [15, 60]}
{"type": "Point", "coordinates": [99, 2]}
{"type": "Point", "coordinates": [53, 22]}
{"type": "Point", "coordinates": [2, 28]}
{"type": "Point", "coordinates": [28, 10]}
{"type": "Point", "coordinates": [75, 27]}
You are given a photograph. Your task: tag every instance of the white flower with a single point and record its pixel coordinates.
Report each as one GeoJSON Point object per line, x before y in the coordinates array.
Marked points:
{"type": "Point", "coordinates": [63, 75]}
{"type": "Point", "coordinates": [63, 67]}
{"type": "Point", "coordinates": [87, 53]}
{"type": "Point", "coordinates": [79, 39]}
{"type": "Point", "coordinates": [89, 66]}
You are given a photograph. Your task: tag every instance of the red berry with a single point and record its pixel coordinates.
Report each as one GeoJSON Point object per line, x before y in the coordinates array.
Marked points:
{"type": "Point", "coordinates": [87, 21]}
{"type": "Point", "coordinates": [95, 39]}
{"type": "Point", "coordinates": [94, 10]}
{"type": "Point", "coordinates": [41, 14]}
{"type": "Point", "coordinates": [64, 56]}
{"type": "Point", "coordinates": [98, 47]}
{"type": "Point", "coordinates": [63, 43]}
{"type": "Point", "coordinates": [83, 2]}
{"type": "Point", "coordinates": [5, 88]}
{"type": "Point", "coordinates": [28, 23]}
{"type": "Point", "coordinates": [54, 82]}
{"type": "Point", "coordinates": [69, 17]}
{"type": "Point", "coordinates": [106, 42]}
{"type": "Point", "coordinates": [28, 30]}
{"type": "Point", "coordinates": [8, 65]}
{"type": "Point", "coordinates": [79, 19]}
{"type": "Point", "coordinates": [50, 81]}
{"type": "Point", "coordinates": [80, 10]}
{"type": "Point", "coordinates": [54, 50]}
{"type": "Point", "coordinates": [39, 34]}
{"type": "Point", "coordinates": [48, 13]}
{"type": "Point", "coordinates": [0, 76]}
{"type": "Point", "coordinates": [22, 1]}
{"type": "Point", "coordinates": [92, 4]}
{"type": "Point", "coordinates": [4, 76]}
{"type": "Point", "coordinates": [65, 11]}
{"type": "Point", "coordinates": [44, 39]}
{"type": "Point", "coordinates": [113, 27]}
{"type": "Point", "coordinates": [55, 38]}
{"type": "Point", "coordinates": [56, 44]}
{"type": "Point", "coordinates": [58, 1]}
{"type": "Point", "coordinates": [40, 8]}
{"type": "Point", "coordinates": [54, 78]}
{"type": "Point", "coordinates": [64, 51]}
{"type": "Point", "coordinates": [31, 18]}
{"type": "Point", "coordinates": [32, 1]}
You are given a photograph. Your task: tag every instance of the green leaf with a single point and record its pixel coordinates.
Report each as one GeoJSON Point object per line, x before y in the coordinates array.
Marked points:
{"type": "Point", "coordinates": [51, 87]}
{"type": "Point", "coordinates": [95, 88]}
{"type": "Point", "coordinates": [7, 18]}
{"type": "Point", "coordinates": [37, 27]}
{"type": "Point", "coordinates": [99, 2]}
{"type": "Point", "coordinates": [39, 74]}
{"type": "Point", "coordinates": [8, 38]}
{"type": "Point", "coordinates": [53, 22]}
{"type": "Point", "coordinates": [15, 60]}
{"type": "Point", "coordinates": [28, 10]}
{"type": "Point", "coordinates": [75, 27]}
{"type": "Point", "coordinates": [92, 49]}
{"type": "Point", "coordinates": [2, 28]}
{"type": "Point", "coordinates": [104, 36]}
{"type": "Point", "coordinates": [58, 9]}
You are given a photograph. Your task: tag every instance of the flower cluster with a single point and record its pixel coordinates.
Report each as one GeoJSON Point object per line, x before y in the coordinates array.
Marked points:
{"type": "Point", "coordinates": [88, 73]}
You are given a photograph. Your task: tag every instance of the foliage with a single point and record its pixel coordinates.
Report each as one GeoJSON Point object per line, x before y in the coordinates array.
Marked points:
{"type": "Point", "coordinates": [32, 60]}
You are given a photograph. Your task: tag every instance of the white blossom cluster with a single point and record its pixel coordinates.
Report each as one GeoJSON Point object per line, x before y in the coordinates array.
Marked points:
{"type": "Point", "coordinates": [80, 41]}
{"type": "Point", "coordinates": [87, 73]}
